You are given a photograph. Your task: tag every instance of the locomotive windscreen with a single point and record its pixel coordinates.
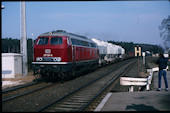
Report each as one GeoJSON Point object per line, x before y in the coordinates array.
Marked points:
{"type": "Point", "coordinates": [56, 40]}
{"type": "Point", "coordinates": [53, 41]}
{"type": "Point", "coordinates": [42, 41]}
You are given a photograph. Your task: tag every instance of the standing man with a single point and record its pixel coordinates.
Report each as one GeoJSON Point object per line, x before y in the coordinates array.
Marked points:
{"type": "Point", "coordinates": [163, 62]}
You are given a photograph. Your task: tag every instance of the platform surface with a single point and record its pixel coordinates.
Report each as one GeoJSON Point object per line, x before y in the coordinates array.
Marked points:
{"type": "Point", "coordinates": [138, 100]}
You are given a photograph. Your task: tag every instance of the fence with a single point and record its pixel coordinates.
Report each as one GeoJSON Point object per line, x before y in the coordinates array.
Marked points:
{"type": "Point", "coordinates": [131, 82]}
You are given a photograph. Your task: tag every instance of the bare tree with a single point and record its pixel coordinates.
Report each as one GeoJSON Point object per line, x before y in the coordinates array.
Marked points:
{"type": "Point", "coordinates": [165, 32]}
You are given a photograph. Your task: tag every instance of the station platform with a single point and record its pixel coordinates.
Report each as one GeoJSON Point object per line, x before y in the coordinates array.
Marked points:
{"type": "Point", "coordinates": [152, 100]}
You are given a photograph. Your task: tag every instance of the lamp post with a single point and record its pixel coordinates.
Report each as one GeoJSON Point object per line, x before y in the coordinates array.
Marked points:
{"type": "Point", "coordinates": [2, 7]}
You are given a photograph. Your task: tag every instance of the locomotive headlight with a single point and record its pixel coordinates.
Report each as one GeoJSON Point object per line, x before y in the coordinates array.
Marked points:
{"type": "Point", "coordinates": [39, 59]}
{"type": "Point", "coordinates": [57, 59]}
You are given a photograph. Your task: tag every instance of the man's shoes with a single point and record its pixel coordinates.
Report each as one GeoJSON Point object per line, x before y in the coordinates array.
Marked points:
{"type": "Point", "coordinates": [159, 89]}
{"type": "Point", "coordinates": [166, 89]}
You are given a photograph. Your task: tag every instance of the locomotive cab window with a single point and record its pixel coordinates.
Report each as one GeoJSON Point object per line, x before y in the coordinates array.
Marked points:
{"type": "Point", "coordinates": [56, 40]}
{"type": "Point", "coordinates": [93, 45]}
{"type": "Point", "coordinates": [84, 43]}
{"type": "Point", "coordinates": [42, 41]}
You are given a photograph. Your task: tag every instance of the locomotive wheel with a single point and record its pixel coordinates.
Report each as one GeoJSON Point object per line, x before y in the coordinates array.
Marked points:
{"type": "Point", "coordinates": [73, 73]}
{"type": "Point", "coordinates": [61, 75]}
{"type": "Point", "coordinates": [47, 75]}
{"type": "Point", "coordinates": [67, 76]}
{"type": "Point", "coordinates": [53, 76]}
{"type": "Point", "coordinates": [43, 75]}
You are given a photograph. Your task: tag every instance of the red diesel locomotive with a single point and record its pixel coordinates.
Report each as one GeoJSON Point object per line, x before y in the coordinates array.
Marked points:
{"type": "Point", "coordinates": [60, 54]}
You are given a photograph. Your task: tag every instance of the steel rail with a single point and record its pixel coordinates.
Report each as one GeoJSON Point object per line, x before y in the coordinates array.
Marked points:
{"type": "Point", "coordinates": [108, 84]}
{"type": "Point", "coordinates": [22, 86]}
{"type": "Point", "coordinates": [25, 93]}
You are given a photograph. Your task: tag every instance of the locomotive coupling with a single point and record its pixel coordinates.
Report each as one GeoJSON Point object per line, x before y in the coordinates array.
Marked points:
{"type": "Point", "coordinates": [36, 71]}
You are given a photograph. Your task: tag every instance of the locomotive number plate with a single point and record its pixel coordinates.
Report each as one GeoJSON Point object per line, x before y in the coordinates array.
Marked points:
{"type": "Point", "coordinates": [47, 55]}
{"type": "Point", "coordinates": [47, 50]}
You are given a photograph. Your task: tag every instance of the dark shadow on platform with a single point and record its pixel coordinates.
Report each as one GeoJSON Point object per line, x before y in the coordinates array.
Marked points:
{"type": "Point", "coordinates": [141, 107]}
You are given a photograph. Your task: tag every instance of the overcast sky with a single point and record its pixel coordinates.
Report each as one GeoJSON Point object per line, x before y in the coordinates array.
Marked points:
{"type": "Point", "coordinates": [129, 21]}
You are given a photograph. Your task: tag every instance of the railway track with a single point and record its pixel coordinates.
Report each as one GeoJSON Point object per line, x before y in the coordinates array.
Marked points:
{"type": "Point", "coordinates": [16, 92]}
{"type": "Point", "coordinates": [79, 99]}
{"type": "Point", "coordinates": [22, 86]}
{"type": "Point", "coordinates": [43, 99]}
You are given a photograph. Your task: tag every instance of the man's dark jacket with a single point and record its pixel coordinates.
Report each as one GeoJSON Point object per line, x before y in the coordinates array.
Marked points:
{"type": "Point", "coordinates": [163, 62]}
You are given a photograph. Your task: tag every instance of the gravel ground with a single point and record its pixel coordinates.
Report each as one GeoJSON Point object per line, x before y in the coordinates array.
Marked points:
{"type": "Point", "coordinates": [11, 82]}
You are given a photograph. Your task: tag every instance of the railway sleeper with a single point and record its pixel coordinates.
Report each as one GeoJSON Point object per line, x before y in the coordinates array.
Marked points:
{"type": "Point", "coordinates": [82, 96]}
{"type": "Point", "coordinates": [71, 103]}
{"type": "Point", "coordinates": [67, 106]}
{"type": "Point", "coordinates": [77, 101]}
{"type": "Point", "coordinates": [62, 109]}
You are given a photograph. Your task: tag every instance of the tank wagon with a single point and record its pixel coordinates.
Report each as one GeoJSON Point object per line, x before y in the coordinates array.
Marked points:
{"type": "Point", "coordinates": [109, 52]}
{"type": "Point", "coordinates": [60, 54]}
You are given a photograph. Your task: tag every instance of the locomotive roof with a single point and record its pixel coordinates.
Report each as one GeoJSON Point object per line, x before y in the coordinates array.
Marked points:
{"type": "Point", "coordinates": [64, 33]}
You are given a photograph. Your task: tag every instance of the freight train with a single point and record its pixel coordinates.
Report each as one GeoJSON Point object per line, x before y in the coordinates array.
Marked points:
{"type": "Point", "coordinates": [60, 54]}
{"type": "Point", "coordinates": [109, 52]}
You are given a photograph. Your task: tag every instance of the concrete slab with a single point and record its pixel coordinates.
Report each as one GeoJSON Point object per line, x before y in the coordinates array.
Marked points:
{"type": "Point", "coordinates": [139, 101]}
{"type": "Point", "coordinates": [162, 81]}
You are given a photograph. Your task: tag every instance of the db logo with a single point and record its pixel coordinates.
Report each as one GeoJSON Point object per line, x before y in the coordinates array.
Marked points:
{"type": "Point", "coordinates": [47, 50]}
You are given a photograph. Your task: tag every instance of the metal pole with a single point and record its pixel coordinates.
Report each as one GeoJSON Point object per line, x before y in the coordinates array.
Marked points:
{"type": "Point", "coordinates": [21, 49]}
{"type": "Point", "coordinates": [32, 46]}
{"type": "Point", "coordinates": [23, 39]}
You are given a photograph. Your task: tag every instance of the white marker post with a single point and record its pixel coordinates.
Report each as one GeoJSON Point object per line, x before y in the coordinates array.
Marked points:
{"type": "Point", "coordinates": [143, 54]}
